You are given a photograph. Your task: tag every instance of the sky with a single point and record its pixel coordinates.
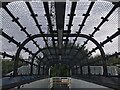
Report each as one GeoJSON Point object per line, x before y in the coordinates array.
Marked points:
{"type": "Point", "coordinates": [19, 9]}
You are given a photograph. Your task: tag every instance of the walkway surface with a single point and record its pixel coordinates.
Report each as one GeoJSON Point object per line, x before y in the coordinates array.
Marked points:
{"type": "Point", "coordinates": [45, 83]}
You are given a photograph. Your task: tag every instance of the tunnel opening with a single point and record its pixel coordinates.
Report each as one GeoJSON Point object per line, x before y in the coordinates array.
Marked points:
{"type": "Point", "coordinates": [60, 70]}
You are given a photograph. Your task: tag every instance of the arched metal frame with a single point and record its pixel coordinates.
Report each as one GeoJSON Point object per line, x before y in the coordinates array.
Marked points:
{"type": "Point", "coordinates": [65, 33]}
{"type": "Point", "coordinates": [80, 35]}
{"type": "Point", "coordinates": [72, 14]}
{"type": "Point", "coordinates": [47, 55]}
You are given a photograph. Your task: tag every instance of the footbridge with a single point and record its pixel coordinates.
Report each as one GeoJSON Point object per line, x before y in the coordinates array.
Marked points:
{"type": "Point", "coordinates": [82, 34]}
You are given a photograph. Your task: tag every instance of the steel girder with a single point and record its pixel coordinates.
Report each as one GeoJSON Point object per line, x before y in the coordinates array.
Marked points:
{"type": "Point", "coordinates": [116, 5]}
{"type": "Point", "coordinates": [60, 16]}
{"type": "Point", "coordinates": [71, 16]}
{"type": "Point", "coordinates": [46, 7]}
{"type": "Point", "coordinates": [83, 22]}
{"type": "Point", "coordinates": [39, 28]}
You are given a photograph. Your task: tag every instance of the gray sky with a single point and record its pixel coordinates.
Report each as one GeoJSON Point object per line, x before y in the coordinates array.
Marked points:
{"type": "Point", "coordinates": [19, 9]}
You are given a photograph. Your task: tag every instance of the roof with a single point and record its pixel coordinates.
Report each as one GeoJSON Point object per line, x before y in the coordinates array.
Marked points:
{"type": "Point", "coordinates": [21, 20]}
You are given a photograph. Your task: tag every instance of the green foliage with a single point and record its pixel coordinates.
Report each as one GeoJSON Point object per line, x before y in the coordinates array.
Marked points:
{"type": "Point", "coordinates": [110, 61]}
{"type": "Point", "coordinates": [113, 61]}
{"type": "Point", "coordinates": [64, 70]}
{"type": "Point", "coordinates": [60, 70]}
{"type": "Point", "coordinates": [7, 66]}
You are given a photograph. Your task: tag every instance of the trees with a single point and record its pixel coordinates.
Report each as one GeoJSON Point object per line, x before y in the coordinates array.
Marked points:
{"type": "Point", "coordinates": [8, 64]}
{"type": "Point", "coordinates": [60, 70]}
{"type": "Point", "coordinates": [111, 61]}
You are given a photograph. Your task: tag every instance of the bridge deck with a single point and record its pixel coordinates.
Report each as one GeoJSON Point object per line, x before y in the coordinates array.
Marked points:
{"type": "Point", "coordinates": [10, 82]}
{"type": "Point", "coordinates": [111, 82]}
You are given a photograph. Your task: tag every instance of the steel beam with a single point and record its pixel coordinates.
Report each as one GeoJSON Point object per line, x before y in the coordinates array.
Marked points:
{"type": "Point", "coordinates": [83, 22]}
{"type": "Point", "coordinates": [38, 26]}
{"type": "Point", "coordinates": [71, 16]}
{"type": "Point", "coordinates": [4, 54]}
{"type": "Point", "coordinates": [46, 7]}
{"type": "Point", "coordinates": [11, 39]}
{"type": "Point", "coordinates": [60, 16]}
